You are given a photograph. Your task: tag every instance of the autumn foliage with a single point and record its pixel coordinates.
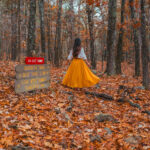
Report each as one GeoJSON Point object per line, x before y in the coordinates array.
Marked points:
{"type": "Point", "coordinates": [112, 115]}
{"type": "Point", "coordinates": [63, 118]}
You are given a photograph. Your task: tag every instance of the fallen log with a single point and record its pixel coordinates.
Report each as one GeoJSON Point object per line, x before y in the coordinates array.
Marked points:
{"type": "Point", "coordinates": [124, 100]}
{"type": "Point", "coordinates": [146, 112]}
{"type": "Point", "coordinates": [100, 95]}
{"type": "Point", "coordinates": [134, 104]}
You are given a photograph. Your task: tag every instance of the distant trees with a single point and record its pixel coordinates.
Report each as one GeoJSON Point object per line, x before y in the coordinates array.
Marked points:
{"type": "Point", "coordinates": [109, 34]}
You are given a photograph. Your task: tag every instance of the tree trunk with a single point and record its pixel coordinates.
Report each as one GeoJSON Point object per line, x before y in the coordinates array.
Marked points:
{"type": "Point", "coordinates": [0, 44]}
{"type": "Point", "coordinates": [49, 36]}
{"type": "Point", "coordinates": [136, 40]}
{"type": "Point", "coordinates": [24, 31]}
{"type": "Point", "coordinates": [42, 27]}
{"type": "Point", "coordinates": [120, 41]}
{"type": "Point", "coordinates": [91, 28]}
{"type": "Point", "coordinates": [146, 81]}
{"type": "Point", "coordinates": [14, 31]}
{"type": "Point", "coordinates": [31, 28]}
{"type": "Point", "coordinates": [71, 24]}
{"type": "Point", "coordinates": [79, 11]}
{"type": "Point", "coordinates": [19, 39]}
{"type": "Point", "coordinates": [86, 40]}
{"type": "Point", "coordinates": [58, 37]}
{"type": "Point", "coordinates": [111, 37]}
{"type": "Point", "coordinates": [103, 43]}
{"type": "Point", "coordinates": [26, 11]}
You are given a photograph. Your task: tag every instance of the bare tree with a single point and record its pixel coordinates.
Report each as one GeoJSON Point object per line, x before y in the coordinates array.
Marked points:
{"type": "Point", "coordinates": [49, 35]}
{"type": "Point", "coordinates": [89, 10]}
{"type": "Point", "coordinates": [136, 40]}
{"type": "Point", "coordinates": [120, 41]}
{"type": "Point", "coordinates": [58, 37]}
{"type": "Point", "coordinates": [14, 30]}
{"type": "Point", "coordinates": [71, 24]}
{"type": "Point", "coordinates": [19, 38]}
{"type": "Point", "coordinates": [42, 27]}
{"type": "Point", "coordinates": [146, 81]}
{"type": "Point", "coordinates": [111, 37]}
{"type": "Point", "coordinates": [31, 28]}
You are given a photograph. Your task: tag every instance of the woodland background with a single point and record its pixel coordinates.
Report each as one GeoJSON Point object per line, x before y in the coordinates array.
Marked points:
{"type": "Point", "coordinates": [111, 31]}
{"type": "Point", "coordinates": [112, 115]}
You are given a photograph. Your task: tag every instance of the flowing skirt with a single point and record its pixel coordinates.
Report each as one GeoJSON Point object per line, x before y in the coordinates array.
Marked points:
{"type": "Point", "coordinates": [79, 75]}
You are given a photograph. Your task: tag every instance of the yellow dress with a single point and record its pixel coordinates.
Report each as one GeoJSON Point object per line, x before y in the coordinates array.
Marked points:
{"type": "Point", "coordinates": [79, 75]}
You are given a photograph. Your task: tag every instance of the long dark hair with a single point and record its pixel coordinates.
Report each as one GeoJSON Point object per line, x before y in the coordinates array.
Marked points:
{"type": "Point", "coordinates": [76, 47]}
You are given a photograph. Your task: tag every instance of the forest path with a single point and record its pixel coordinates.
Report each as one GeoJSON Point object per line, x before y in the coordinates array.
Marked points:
{"type": "Point", "coordinates": [61, 117]}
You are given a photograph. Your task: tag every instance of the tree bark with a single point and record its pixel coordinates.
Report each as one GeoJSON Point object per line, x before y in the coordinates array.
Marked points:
{"type": "Point", "coordinates": [0, 44]}
{"type": "Point", "coordinates": [146, 80]}
{"type": "Point", "coordinates": [14, 30]}
{"type": "Point", "coordinates": [49, 36]}
{"type": "Point", "coordinates": [71, 24]}
{"type": "Point", "coordinates": [120, 41]}
{"type": "Point", "coordinates": [111, 37]}
{"type": "Point", "coordinates": [58, 37]}
{"type": "Point", "coordinates": [31, 28]}
{"type": "Point", "coordinates": [19, 38]}
{"type": "Point", "coordinates": [1, 16]}
{"type": "Point", "coordinates": [42, 27]}
{"type": "Point", "coordinates": [0, 40]}
{"type": "Point", "coordinates": [136, 40]}
{"type": "Point", "coordinates": [91, 28]}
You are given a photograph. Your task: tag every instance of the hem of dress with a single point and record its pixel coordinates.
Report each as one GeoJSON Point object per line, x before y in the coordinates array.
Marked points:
{"type": "Point", "coordinates": [81, 87]}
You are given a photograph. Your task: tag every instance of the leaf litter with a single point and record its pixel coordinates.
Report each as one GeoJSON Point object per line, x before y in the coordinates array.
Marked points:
{"type": "Point", "coordinates": [63, 118]}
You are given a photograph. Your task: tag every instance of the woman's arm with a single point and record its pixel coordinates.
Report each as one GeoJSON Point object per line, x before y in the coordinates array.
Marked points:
{"type": "Point", "coordinates": [87, 63]}
{"type": "Point", "coordinates": [83, 55]}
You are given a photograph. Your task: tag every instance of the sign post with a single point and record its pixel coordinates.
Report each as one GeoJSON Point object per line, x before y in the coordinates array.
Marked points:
{"type": "Point", "coordinates": [32, 77]}
{"type": "Point", "coordinates": [34, 60]}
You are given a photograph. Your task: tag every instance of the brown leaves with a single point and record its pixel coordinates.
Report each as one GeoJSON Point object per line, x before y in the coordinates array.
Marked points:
{"type": "Point", "coordinates": [96, 3]}
{"type": "Point", "coordinates": [137, 25]}
{"type": "Point", "coordinates": [42, 120]}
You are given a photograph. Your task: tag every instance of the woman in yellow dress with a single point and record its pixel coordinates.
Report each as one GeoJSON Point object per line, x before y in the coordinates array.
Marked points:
{"type": "Point", "coordinates": [78, 74]}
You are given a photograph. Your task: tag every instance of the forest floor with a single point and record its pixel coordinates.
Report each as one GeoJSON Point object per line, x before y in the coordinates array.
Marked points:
{"type": "Point", "coordinates": [115, 114]}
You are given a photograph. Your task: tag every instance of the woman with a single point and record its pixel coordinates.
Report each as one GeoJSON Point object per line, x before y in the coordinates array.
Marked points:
{"type": "Point", "coordinates": [78, 74]}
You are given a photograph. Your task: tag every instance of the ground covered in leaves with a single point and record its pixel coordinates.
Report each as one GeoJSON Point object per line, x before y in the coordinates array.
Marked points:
{"type": "Point", "coordinates": [115, 114]}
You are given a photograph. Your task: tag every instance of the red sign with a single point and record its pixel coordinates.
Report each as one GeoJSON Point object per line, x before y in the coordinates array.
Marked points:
{"type": "Point", "coordinates": [34, 60]}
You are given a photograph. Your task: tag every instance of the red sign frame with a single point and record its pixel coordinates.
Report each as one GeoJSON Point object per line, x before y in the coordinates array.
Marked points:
{"type": "Point", "coordinates": [34, 60]}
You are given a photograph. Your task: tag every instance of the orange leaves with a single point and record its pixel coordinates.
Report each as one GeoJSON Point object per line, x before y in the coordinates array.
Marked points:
{"type": "Point", "coordinates": [137, 25]}
{"type": "Point", "coordinates": [95, 2]}
{"type": "Point", "coordinates": [7, 140]}
{"type": "Point", "coordinates": [126, 24]}
{"type": "Point", "coordinates": [23, 44]}
{"type": "Point", "coordinates": [90, 2]}
{"type": "Point", "coordinates": [41, 120]}
{"type": "Point", "coordinates": [54, 7]}
{"type": "Point", "coordinates": [105, 2]}
{"type": "Point", "coordinates": [48, 144]}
